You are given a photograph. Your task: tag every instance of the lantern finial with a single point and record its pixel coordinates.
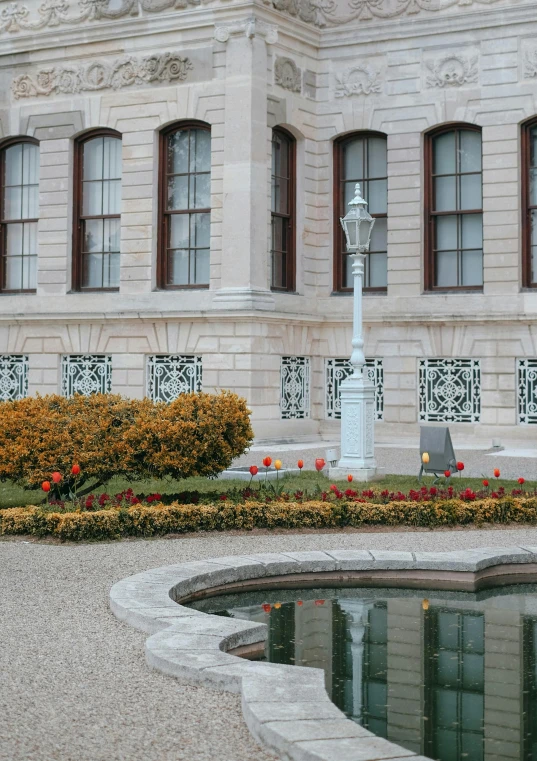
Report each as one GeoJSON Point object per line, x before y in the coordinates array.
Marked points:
{"type": "Point", "coordinates": [357, 200]}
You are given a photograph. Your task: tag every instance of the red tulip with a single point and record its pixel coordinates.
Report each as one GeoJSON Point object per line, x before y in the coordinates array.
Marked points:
{"type": "Point", "coordinates": [56, 477]}
{"type": "Point", "coordinates": [496, 472]}
{"type": "Point", "coordinates": [299, 603]}
{"type": "Point", "coordinates": [300, 464]}
{"type": "Point", "coordinates": [45, 486]}
{"type": "Point", "coordinates": [75, 470]}
{"type": "Point", "coordinates": [266, 607]}
{"type": "Point", "coordinates": [485, 483]}
{"type": "Point", "coordinates": [521, 481]}
{"type": "Point", "coordinates": [319, 464]}
{"type": "Point", "coordinates": [447, 473]}
{"type": "Point", "coordinates": [460, 466]}
{"type": "Point", "coordinates": [319, 602]}
{"type": "Point", "coordinates": [254, 470]}
{"type": "Point", "coordinates": [267, 462]}
{"type": "Point", "coordinates": [349, 478]}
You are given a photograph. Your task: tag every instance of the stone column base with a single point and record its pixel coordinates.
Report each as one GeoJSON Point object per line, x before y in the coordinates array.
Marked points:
{"type": "Point", "coordinates": [358, 474]}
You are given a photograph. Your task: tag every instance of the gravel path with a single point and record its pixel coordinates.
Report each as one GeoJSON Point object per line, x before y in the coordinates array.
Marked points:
{"type": "Point", "coordinates": [73, 681]}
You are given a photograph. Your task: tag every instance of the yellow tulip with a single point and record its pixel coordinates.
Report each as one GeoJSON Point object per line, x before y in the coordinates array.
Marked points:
{"type": "Point", "coordinates": [277, 464]}
{"type": "Point", "coordinates": [277, 605]}
{"type": "Point", "coordinates": [425, 458]}
{"type": "Point", "coordinates": [425, 604]}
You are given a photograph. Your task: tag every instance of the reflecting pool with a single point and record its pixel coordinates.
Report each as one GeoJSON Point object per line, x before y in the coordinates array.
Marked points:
{"type": "Point", "coordinates": [451, 675]}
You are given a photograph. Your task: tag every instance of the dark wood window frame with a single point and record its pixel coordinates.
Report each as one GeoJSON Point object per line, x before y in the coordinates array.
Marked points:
{"type": "Point", "coordinates": [527, 208]}
{"type": "Point", "coordinates": [164, 214]}
{"type": "Point", "coordinates": [4, 145]}
{"type": "Point", "coordinates": [339, 197]}
{"type": "Point", "coordinates": [430, 214]}
{"type": "Point", "coordinates": [290, 269]}
{"type": "Point", "coordinates": [78, 217]}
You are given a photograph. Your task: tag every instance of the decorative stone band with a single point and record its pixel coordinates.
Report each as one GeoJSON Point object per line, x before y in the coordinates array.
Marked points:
{"type": "Point", "coordinates": [286, 707]}
{"type": "Point", "coordinates": [99, 75]}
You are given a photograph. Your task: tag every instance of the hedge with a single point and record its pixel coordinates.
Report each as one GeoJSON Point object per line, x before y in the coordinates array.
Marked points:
{"type": "Point", "coordinates": [108, 435]}
{"type": "Point", "coordinates": [157, 520]}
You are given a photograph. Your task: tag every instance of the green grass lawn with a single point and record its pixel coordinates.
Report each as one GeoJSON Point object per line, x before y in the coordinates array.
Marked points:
{"type": "Point", "coordinates": [14, 496]}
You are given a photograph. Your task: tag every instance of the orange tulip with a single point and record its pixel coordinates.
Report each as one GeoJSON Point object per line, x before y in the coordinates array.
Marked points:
{"type": "Point", "coordinates": [254, 470]}
{"type": "Point", "coordinates": [496, 472]}
{"type": "Point", "coordinates": [56, 477]}
{"type": "Point", "coordinates": [46, 486]}
{"type": "Point", "coordinates": [300, 464]}
{"type": "Point", "coordinates": [349, 478]}
{"type": "Point", "coordinates": [267, 462]}
{"type": "Point", "coordinates": [319, 464]}
{"type": "Point", "coordinates": [75, 470]}
{"type": "Point", "coordinates": [278, 464]}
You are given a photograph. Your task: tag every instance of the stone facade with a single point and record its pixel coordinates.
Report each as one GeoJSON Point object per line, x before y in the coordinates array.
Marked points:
{"type": "Point", "coordinates": [319, 70]}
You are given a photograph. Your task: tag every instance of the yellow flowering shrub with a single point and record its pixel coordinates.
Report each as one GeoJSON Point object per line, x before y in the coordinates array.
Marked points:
{"type": "Point", "coordinates": [155, 520]}
{"type": "Point", "coordinates": [108, 435]}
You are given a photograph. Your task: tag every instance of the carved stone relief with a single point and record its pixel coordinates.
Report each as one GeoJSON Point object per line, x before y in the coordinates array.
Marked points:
{"type": "Point", "coordinates": [251, 27]}
{"type": "Point", "coordinates": [452, 70]}
{"type": "Point", "coordinates": [287, 74]}
{"type": "Point", "coordinates": [530, 61]}
{"type": "Point", "coordinates": [360, 79]}
{"type": "Point", "coordinates": [98, 75]}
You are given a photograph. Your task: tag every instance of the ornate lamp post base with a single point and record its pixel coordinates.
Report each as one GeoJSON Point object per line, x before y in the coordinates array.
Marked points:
{"type": "Point", "coordinates": [357, 431]}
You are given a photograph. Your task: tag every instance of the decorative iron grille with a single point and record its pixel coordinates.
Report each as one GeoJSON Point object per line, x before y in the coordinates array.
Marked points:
{"type": "Point", "coordinates": [169, 376]}
{"type": "Point", "coordinates": [336, 370]}
{"type": "Point", "coordinates": [527, 391]}
{"type": "Point", "coordinates": [13, 376]}
{"type": "Point", "coordinates": [295, 387]}
{"type": "Point", "coordinates": [450, 390]}
{"type": "Point", "coordinates": [86, 374]}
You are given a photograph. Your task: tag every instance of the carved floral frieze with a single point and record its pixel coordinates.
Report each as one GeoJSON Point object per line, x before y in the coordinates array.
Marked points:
{"type": "Point", "coordinates": [452, 70]}
{"type": "Point", "coordinates": [99, 75]}
{"type": "Point", "coordinates": [287, 74]}
{"type": "Point", "coordinates": [360, 79]}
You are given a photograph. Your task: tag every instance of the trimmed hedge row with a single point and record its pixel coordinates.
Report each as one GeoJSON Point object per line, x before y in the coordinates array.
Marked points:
{"type": "Point", "coordinates": [156, 520]}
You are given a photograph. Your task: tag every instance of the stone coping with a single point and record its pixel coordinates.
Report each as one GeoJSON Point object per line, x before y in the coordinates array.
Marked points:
{"type": "Point", "coordinates": [286, 708]}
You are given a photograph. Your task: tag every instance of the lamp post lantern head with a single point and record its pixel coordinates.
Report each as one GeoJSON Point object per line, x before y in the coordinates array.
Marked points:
{"type": "Point", "coordinates": [357, 224]}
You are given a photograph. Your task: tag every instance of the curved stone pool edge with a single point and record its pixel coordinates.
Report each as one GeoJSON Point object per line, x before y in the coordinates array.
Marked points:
{"type": "Point", "coordinates": [287, 708]}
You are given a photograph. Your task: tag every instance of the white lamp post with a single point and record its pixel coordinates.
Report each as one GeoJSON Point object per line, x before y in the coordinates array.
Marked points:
{"type": "Point", "coordinates": [357, 391]}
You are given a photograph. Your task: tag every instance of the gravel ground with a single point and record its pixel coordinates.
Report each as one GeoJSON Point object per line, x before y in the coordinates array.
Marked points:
{"type": "Point", "coordinates": [73, 681]}
{"type": "Point", "coordinates": [402, 460]}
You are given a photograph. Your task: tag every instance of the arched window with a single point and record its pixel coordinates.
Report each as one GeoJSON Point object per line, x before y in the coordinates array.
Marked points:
{"type": "Point", "coordinates": [453, 209]}
{"type": "Point", "coordinates": [529, 204]}
{"type": "Point", "coordinates": [185, 206]}
{"type": "Point", "coordinates": [97, 210]}
{"type": "Point", "coordinates": [361, 157]}
{"type": "Point", "coordinates": [19, 202]}
{"type": "Point", "coordinates": [283, 204]}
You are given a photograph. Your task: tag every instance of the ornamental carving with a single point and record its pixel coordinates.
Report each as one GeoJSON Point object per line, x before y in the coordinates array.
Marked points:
{"type": "Point", "coordinates": [360, 79]}
{"type": "Point", "coordinates": [287, 74]}
{"type": "Point", "coordinates": [530, 62]}
{"type": "Point", "coordinates": [452, 71]}
{"type": "Point", "coordinates": [97, 75]}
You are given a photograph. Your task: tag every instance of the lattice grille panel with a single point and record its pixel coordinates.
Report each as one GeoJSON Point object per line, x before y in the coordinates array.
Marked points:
{"type": "Point", "coordinates": [295, 387]}
{"type": "Point", "coordinates": [13, 376]}
{"type": "Point", "coordinates": [527, 391]}
{"type": "Point", "coordinates": [450, 390]}
{"type": "Point", "coordinates": [170, 376]}
{"type": "Point", "coordinates": [86, 374]}
{"type": "Point", "coordinates": [336, 370]}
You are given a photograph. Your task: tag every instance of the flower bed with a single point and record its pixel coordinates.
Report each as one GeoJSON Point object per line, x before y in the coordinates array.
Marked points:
{"type": "Point", "coordinates": [158, 519]}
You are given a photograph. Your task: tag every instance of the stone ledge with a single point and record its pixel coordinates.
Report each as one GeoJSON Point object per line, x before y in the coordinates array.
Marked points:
{"type": "Point", "coordinates": [286, 708]}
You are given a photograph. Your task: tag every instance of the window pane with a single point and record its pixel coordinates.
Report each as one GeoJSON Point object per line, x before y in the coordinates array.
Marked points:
{"type": "Point", "coordinates": [278, 270]}
{"type": "Point", "coordinates": [179, 231]}
{"type": "Point", "coordinates": [444, 153]}
{"type": "Point", "coordinates": [377, 157]}
{"type": "Point", "coordinates": [200, 150]}
{"type": "Point", "coordinates": [446, 232]}
{"type": "Point", "coordinates": [470, 191]}
{"type": "Point", "coordinates": [13, 175]}
{"type": "Point", "coordinates": [30, 164]}
{"type": "Point", "coordinates": [93, 159]}
{"type": "Point", "coordinates": [470, 151]}
{"type": "Point", "coordinates": [533, 167]}
{"type": "Point", "coordinates": [472, 712]}
{"type": "Point", "coordinates": [379, 235]}
{"type": "Point", "coordinates": [377, 699]}
{"type": "Point", "coordinates": [445, 196]}
{"type": "Point", "coordinates": [446, 745]}
{"type": "Point", "coordinates": [446, 707]}
{"type": "Point", "coordinates": [201, 276]}
{"type": "Point", "coordinates": [200, 234]}
{"type": "Point", "coordinates": [447, 668]}
{"type": "Point", "coordinates": [29, 246]}
{"type": "Point", "coordinates": [200, 191]}
{"type": "Point", "coordinates": [533, 224]}
{"type": "Point", "coordinates": [472, 231]}
{"type": "Point", "coordinates": [92, 198]}
{"type": "Point", "coordinates": [472, 746]}
{"type": "Point", "coordinates": [13, 202]}
{"type": "Point", "coordinates": [111, 235]}
{"type": "Point", "coordinates": [177, 192]}
{"type": "Point", "coordinates": [14, 239]}
{"type": "Point", "coordinates": [280, 195]}
{"type": "Point", "coordinates": [348, 279]}
{"type": "Point", "coordinates": [353, 160]}
{"type": "Point", "coordinates": [112, 197]}
{"type": "Point", "coordinates": [377, 192]}
{"type": "Point", "coordinates": [92, 275]}
{"type": "Point", "coordinates": [93, 236]}
{"type": "Point", "coordinates": [378, 270]}
{"type": "Point", "coordinates": [178, 152]}
{"type": "Point", "coordinates": [472, 270]}
{"type": "Point", "coordinates": [446, 269]}
{"type": "Point", "coordinates": [112, 158]}
{"type": "Point", "coordinates": [111, 271]}
{"type": "Point", "coordinates": [30, 272]}
{"type": "Point", "coordinates": [30, 202]}
{"type": "Point", "coordinates": [280, 156]}
{"type": "Point", "coordinates": [178, 266]}
{"type": "Point", "coordinates": [13, 273]}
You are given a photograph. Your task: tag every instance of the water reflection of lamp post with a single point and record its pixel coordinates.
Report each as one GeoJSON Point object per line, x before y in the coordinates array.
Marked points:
{"type": "Point", "coordinates": [357, 391]}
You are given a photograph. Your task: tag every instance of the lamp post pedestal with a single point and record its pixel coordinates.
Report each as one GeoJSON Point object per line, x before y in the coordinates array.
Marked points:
{"type": "Point", "coordinates": [357, 395]}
